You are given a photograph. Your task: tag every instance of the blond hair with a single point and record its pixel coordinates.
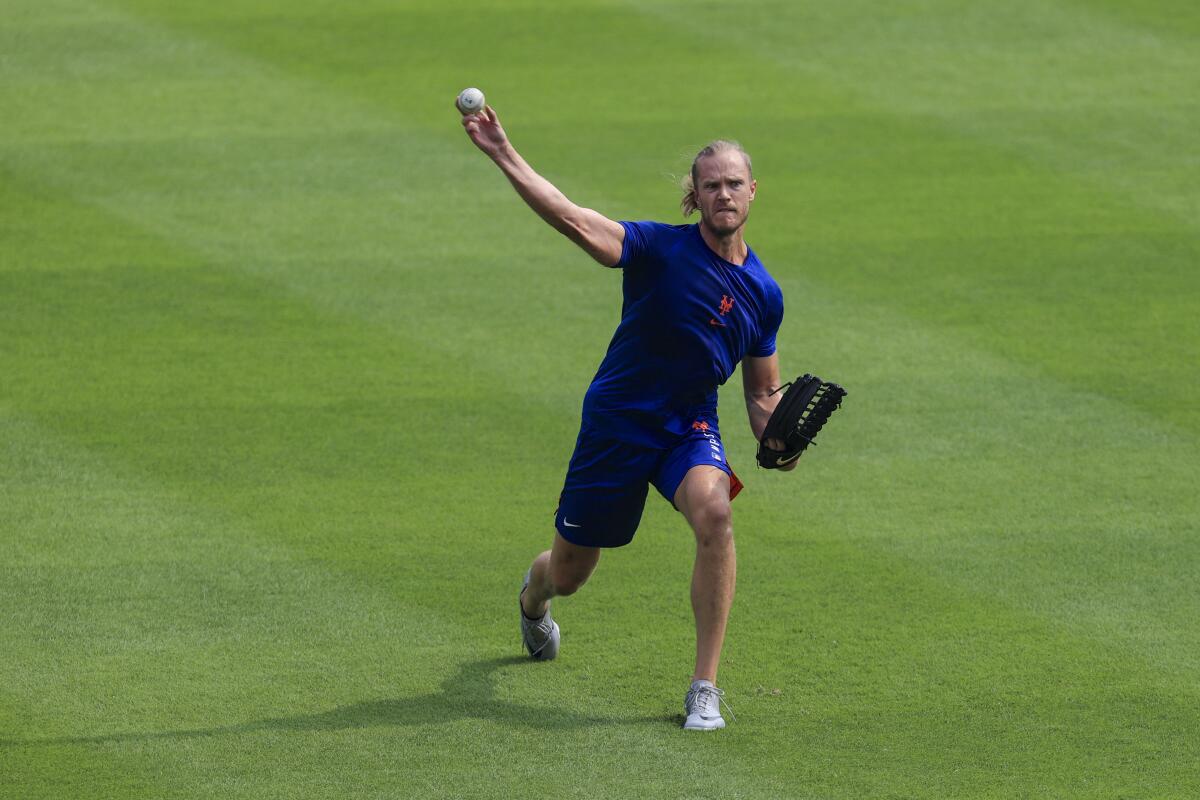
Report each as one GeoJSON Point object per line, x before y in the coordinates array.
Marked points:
{"type": "Point", "coordinates": [690, 203]}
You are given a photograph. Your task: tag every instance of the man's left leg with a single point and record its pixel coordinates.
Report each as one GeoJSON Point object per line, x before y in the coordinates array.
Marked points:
{"type": "Point", "coordinates": [703, 498]}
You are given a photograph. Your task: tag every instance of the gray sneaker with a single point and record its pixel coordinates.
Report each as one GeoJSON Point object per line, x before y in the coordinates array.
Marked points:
{"type": "Point", "coordinates": [702, 705]}
{"type": "Point", "coordinates": [540, 635]}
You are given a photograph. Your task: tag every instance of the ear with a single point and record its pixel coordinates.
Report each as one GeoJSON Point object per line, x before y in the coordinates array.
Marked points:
{"type": "Point", "coordinates": [753, 189]}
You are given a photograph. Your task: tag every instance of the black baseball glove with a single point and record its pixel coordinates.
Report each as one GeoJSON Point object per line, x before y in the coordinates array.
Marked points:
{"type": "Point", "coordinates": [804, 408]}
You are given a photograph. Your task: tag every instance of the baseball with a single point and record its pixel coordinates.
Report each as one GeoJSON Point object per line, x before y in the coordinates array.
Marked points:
{"type": "Point", "coordinates": [469, 101]}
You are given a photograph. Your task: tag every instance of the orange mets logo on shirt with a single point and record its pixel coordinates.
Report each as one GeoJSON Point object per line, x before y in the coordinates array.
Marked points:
{"type": "Point", "coordinates": [725, 307]}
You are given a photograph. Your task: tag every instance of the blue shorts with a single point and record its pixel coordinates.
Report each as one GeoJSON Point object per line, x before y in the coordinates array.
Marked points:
{"type": "Point", "coordinates": [608, 480]}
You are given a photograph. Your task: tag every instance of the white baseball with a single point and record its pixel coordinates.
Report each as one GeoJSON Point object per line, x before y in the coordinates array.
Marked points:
{"type": "Point", "coordinates": [469, 101]}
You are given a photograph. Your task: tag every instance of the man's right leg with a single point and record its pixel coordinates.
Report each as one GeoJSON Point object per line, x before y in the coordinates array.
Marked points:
{"type": "Point", "coordinates": [558, 571]}
{"type": "Point", "coordinates": [600, 506]}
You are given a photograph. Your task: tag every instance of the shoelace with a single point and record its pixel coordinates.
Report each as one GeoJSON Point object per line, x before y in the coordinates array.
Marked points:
{"type": "Point", "coordinates": [543, 626]}
{"type": "Point", "coordinates": [708, 696]}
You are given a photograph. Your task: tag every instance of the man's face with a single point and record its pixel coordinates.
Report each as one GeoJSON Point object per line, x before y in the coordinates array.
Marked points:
{"type": "Point", "coordinates": [724, 190]}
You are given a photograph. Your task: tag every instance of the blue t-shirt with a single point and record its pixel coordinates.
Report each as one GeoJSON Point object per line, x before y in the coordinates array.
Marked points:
{"type": "Point", "coordinates": [688, 317]}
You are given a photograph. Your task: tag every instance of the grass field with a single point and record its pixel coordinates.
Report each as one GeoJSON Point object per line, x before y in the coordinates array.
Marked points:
{"type": "Point", "coordinates": [289, 379]}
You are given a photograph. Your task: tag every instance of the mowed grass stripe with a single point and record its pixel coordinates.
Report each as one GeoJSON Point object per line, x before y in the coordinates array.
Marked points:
{"type": "Point", "coordinates": [481, 331]}
{"type": "Point", "coordinates": [290, 670]}
{"type": "Point", "coordinates": [597, 621]}
{"type": "Point", "coordinates": [104, 329]}
{"type": "Point", "coordinates": [1150, 344]}
{"type": "Point", "coordinates": [920, 148]}
{"type": "Point", "coordinates": [1046, 506]}
{"type": "Point", "coordinates": [1079, 125]}
{"type": "Point", "coordinates": [164, 617]}
{"type": "Point", "coordinates": [477, 756]}
{"type": "Point", "coordinates": [886, 660]}
{"type": "Point", "coordinates": [597, 624]}
{"type": "Point", "coordinates": [183, 625]}
{"type": "Point", "coordinates": [195, 376]}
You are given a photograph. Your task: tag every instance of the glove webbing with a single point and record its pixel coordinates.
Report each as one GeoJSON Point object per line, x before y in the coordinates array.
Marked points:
{"type": "Point", "coordinates": [806, 405]}
{"type": "Point", "coordinates": [811, 406]}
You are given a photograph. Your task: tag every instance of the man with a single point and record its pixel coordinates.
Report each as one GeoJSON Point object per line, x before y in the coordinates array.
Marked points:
{"type": "Point", "coordinates": [696, 302]}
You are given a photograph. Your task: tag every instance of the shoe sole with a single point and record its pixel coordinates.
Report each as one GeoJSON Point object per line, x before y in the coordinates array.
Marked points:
{"type": "Point", "coordinates": [687, 727]}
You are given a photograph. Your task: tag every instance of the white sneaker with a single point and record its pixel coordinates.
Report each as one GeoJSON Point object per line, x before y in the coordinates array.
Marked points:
{"type": "Point", "coordinates": [539, 635]}
{"type": "Point", "coordinates": [702, 705]}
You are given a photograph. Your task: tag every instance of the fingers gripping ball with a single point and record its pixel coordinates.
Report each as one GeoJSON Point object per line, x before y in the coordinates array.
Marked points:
{"type": "Point", "coordinates": [469, 101]}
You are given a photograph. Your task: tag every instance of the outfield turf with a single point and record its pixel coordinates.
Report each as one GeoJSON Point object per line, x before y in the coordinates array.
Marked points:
{"type": "Point", "coordinates": [289, 379]}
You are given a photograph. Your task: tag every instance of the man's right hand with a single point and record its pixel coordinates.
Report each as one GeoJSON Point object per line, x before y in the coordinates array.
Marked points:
{"type": "Point", "coordinates": [485, 131]}
{"type": "Point", "coordinates": [600, 237]}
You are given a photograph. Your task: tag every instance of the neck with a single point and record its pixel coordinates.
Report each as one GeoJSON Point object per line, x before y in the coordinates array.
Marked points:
{"type": "Point", "coordinates": [731, 246]}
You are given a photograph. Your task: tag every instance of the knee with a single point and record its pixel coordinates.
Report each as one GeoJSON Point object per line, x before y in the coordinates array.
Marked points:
{"type": "Point", "coordinates": [713, 523]}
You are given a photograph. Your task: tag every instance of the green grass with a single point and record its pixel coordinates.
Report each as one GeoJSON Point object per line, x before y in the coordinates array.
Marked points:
{"type": "Point", "coordinates": [289, 379]}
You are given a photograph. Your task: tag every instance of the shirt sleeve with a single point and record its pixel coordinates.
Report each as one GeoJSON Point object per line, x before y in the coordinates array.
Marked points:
{"type": "Point", "coordinates": [766, 343]}
{"type": "Point", "coordinates": [641, 242]}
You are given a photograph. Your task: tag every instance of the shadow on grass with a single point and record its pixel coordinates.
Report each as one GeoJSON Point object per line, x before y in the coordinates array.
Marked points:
{"type": "Point", "coordinates": [467, 694]}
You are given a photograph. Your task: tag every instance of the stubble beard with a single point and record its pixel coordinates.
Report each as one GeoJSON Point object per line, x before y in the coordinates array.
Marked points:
{"type": "Point", "coordinates": [724, 230]}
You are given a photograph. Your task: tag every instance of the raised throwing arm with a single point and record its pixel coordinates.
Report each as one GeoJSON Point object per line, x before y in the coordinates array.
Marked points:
{"type": "Point", "coordinates": [600, 237]}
